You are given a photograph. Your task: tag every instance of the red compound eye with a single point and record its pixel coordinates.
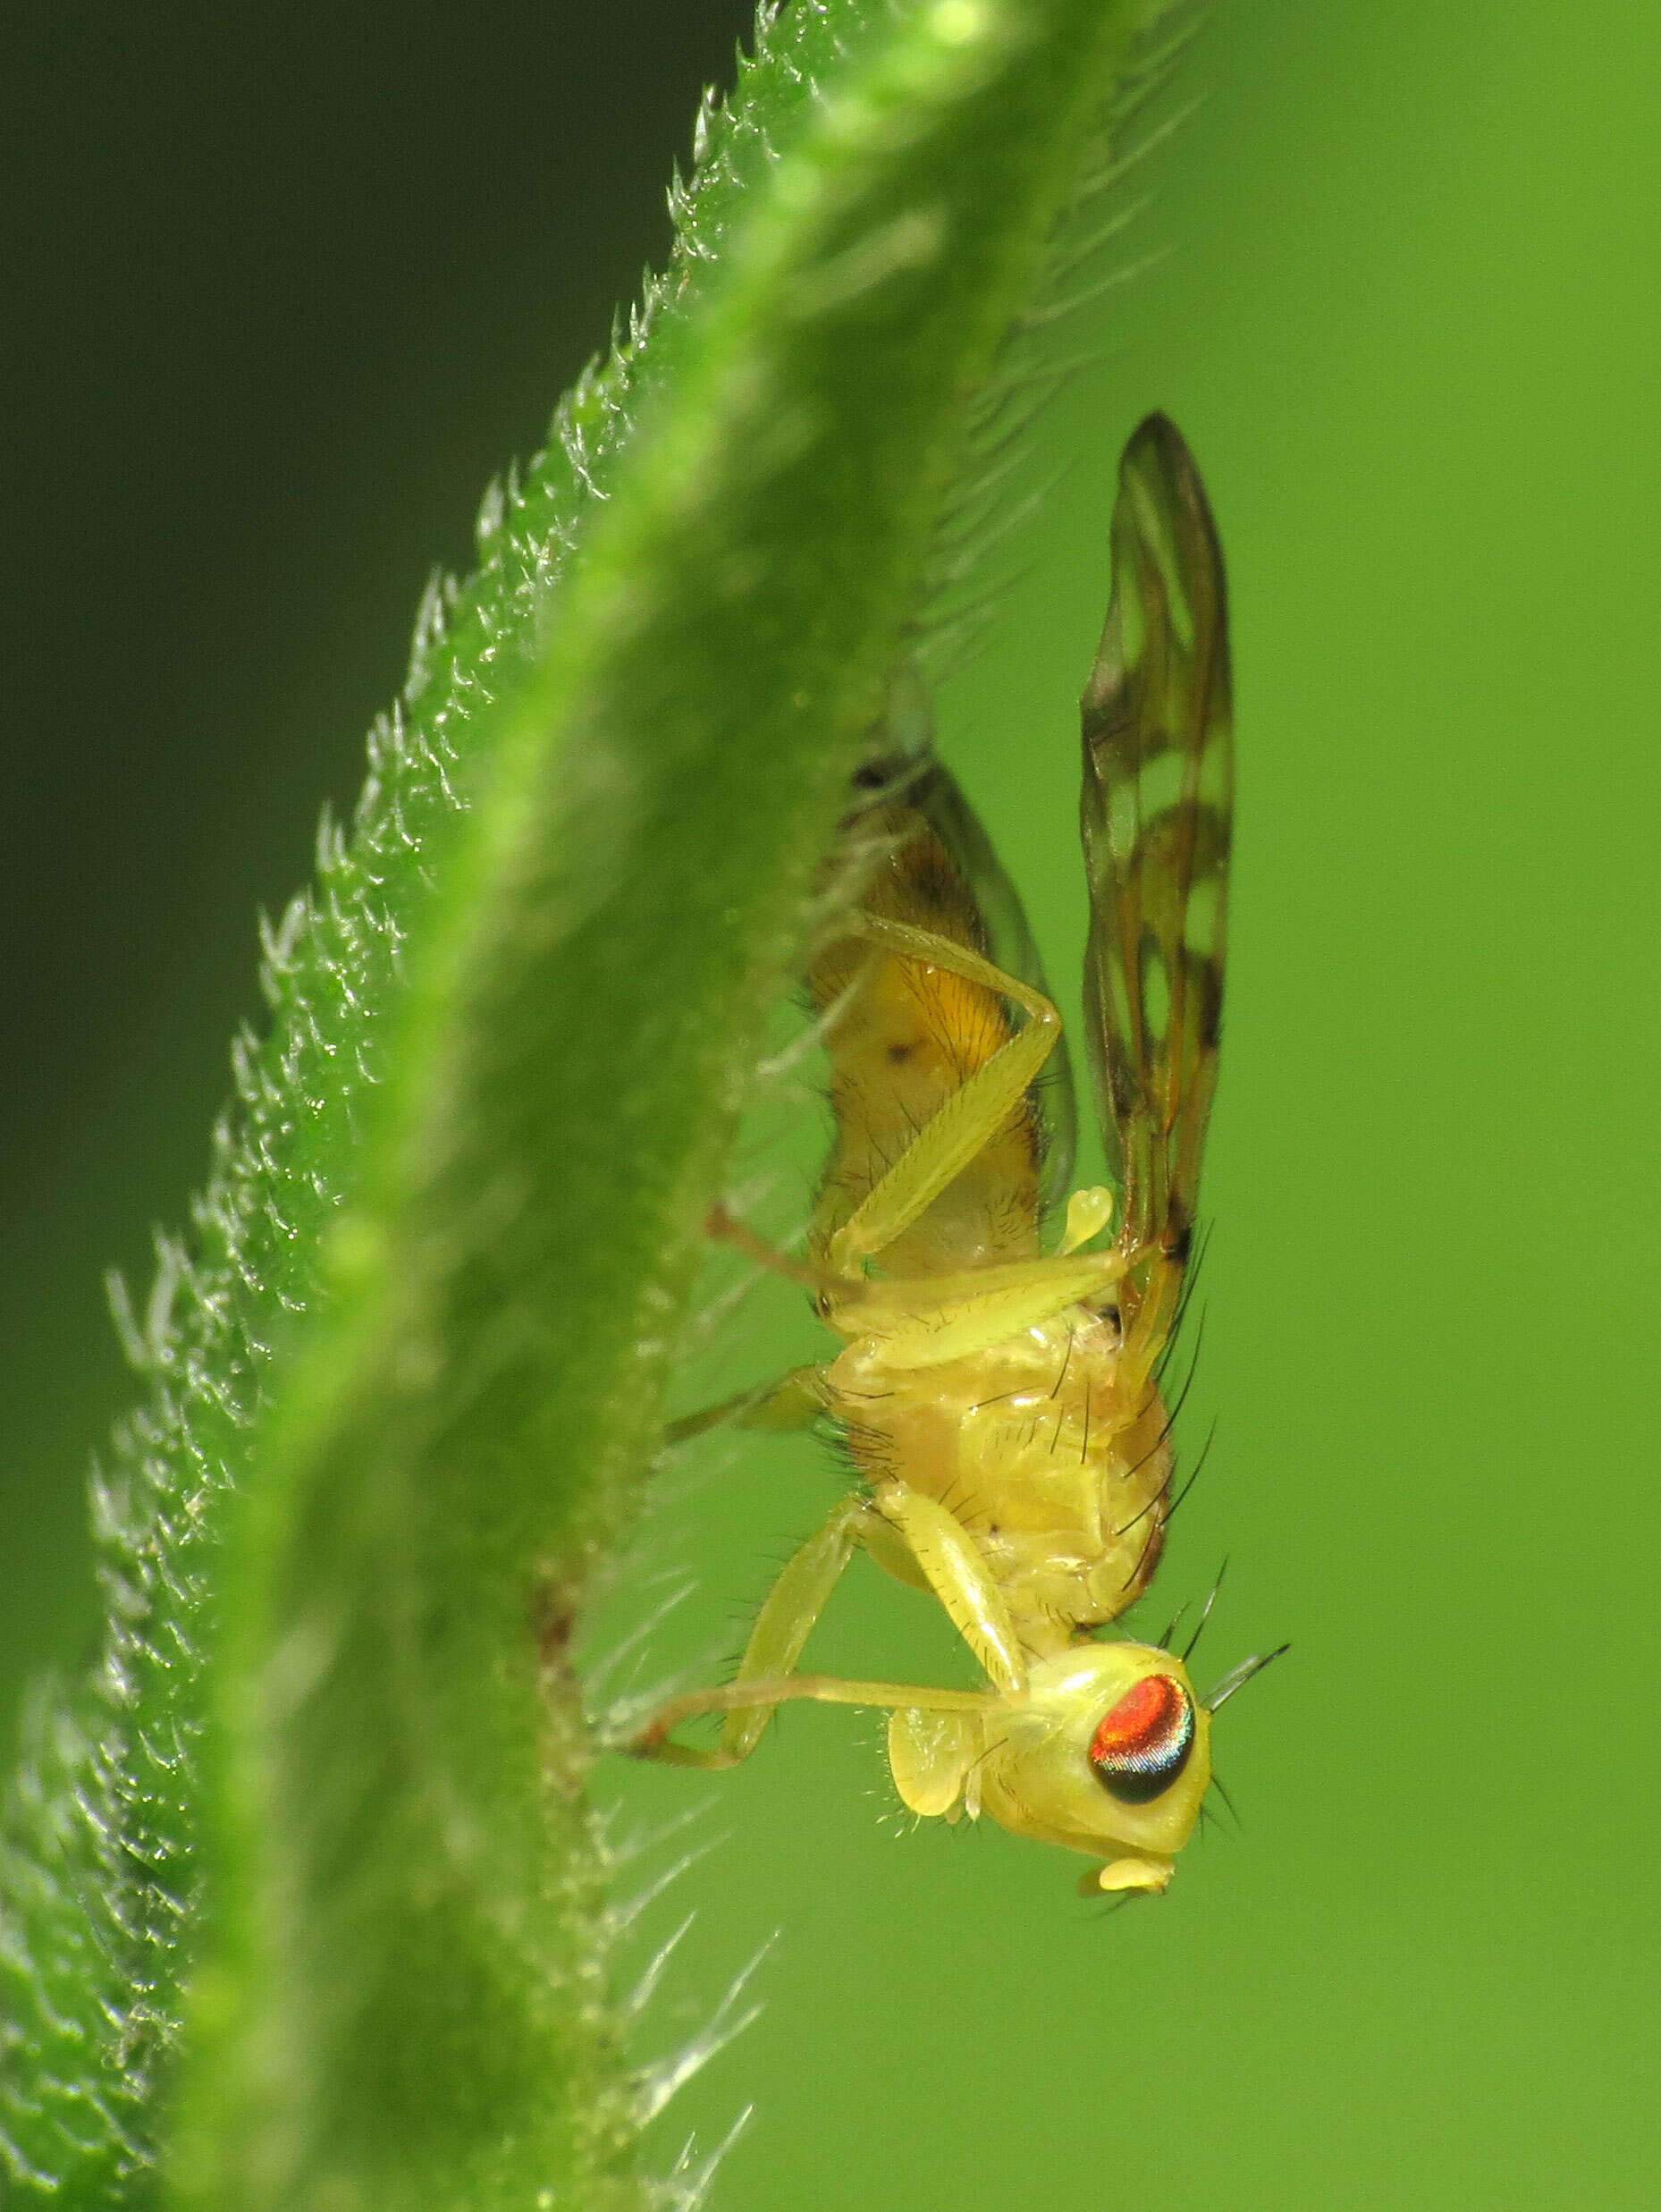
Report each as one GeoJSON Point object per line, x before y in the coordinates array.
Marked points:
{"type": "Point", "coordinates": [1142, 1743]}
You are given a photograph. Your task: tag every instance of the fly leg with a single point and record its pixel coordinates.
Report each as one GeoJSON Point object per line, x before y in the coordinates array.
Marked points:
{"type": "Point", "coordinates": [766, 1678]}
{"type": "Point", "coordinates": [794, 1401]}
{"type": "Point", "coordinates": [935, 1736]}
{"type": "Point", "coordinates": [757, 1701]}
{"type": "Point", "coordinates": [995, 1302]}
{"type": "Point", "coordinates": [932, 1752]}
{"type": "Point", "coordinates": [955, 1570]}
{"type": "Point", "coordinates": [1030, 1291]}
{"type": "Point", "coordinates": [969, 1118]}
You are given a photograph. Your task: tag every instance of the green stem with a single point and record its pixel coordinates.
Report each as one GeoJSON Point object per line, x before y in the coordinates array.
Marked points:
{"type": "Point", "coordinates": [474, 1154]}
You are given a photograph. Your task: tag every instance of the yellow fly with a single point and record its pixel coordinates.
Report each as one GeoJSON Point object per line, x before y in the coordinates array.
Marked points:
{"type": "Point", "coordinates": [1002, 1403]}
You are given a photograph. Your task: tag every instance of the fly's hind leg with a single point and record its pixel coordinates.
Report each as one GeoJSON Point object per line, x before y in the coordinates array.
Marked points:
{"type": "Point", "coordinates": [963, 1127]}
{"type": "Point", "coordinates": [766, 1678]}
{"type": "Point", "coordinates": [969, 1118]}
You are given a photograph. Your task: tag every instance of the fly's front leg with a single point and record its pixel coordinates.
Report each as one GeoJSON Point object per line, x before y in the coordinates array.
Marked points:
{"type": "Point", "coordinates": [741, 1700]}
{"type": "Point", "coordinates": [782, 1627]}
{"type": "Point", "coordinates": [968, 1120]}
{"type": "Point", "coordinates": [955, 1569]}
{"type": "Point", "coordinates": [933, 1733]}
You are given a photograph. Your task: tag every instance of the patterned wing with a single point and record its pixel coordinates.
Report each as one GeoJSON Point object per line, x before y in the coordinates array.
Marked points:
{"type": "Point", "coordinates": [1157, 808]}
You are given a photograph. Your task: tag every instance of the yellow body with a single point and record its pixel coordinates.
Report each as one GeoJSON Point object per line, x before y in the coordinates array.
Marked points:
{"type": "Point", "coordinates": [1063, 1485]}
{"type": "Point", "coordinates": [1048, 1447]}
{"type": "Point", "coordinates": [1001, 1401]}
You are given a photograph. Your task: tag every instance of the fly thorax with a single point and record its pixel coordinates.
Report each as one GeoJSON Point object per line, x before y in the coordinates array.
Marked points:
{"type": "Point", "coordinates": [1042, 1425]}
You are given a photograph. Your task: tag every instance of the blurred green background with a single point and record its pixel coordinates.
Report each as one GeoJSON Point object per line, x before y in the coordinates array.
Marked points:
{"type": "Point", "coordinates": [292, 287]}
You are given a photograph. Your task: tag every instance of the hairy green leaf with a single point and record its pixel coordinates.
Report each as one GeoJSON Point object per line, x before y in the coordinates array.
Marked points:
{"type": "Point", "coordinates": [403, 1380]}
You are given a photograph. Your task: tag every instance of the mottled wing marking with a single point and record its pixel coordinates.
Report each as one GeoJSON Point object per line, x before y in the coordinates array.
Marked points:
{"type": "Point", "coordinates": [1157, 810]}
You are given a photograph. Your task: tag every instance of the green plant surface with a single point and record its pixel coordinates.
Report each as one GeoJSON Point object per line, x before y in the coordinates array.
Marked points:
{"type": "Point", "coordinates": [345, 1560]}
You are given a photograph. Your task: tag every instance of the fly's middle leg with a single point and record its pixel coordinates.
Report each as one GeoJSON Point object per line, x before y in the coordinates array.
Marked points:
{"type": "Point", "coordinates": [792, 1402]}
